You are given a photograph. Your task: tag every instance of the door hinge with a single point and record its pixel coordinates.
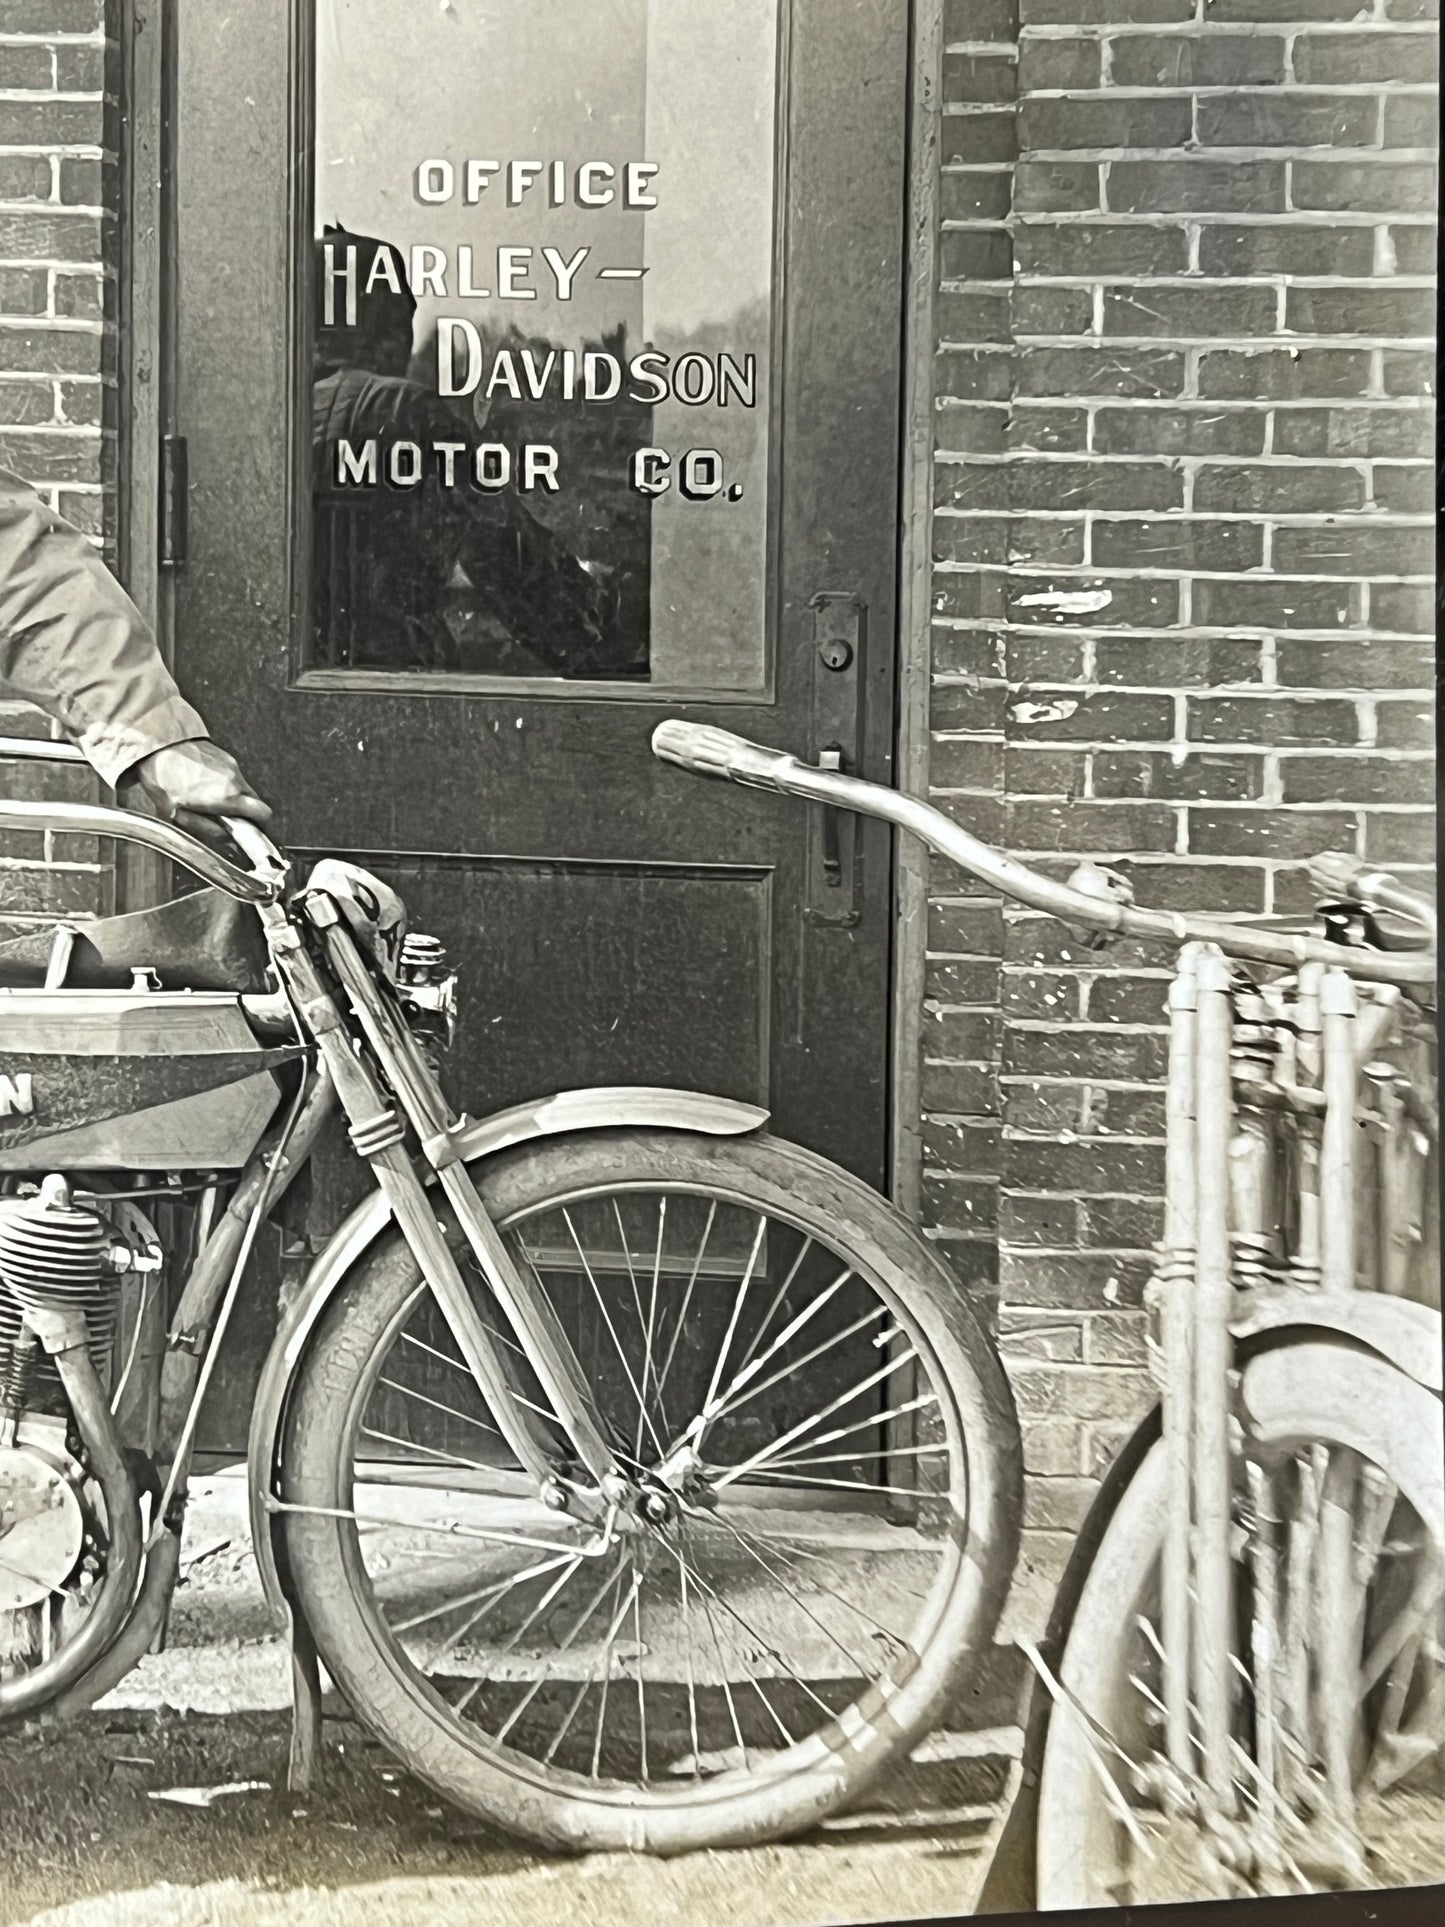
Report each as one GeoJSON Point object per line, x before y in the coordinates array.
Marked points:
{"type": "Point", "coordinates": [175, 519]}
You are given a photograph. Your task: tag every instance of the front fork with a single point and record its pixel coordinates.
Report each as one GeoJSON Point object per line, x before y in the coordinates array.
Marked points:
{"type": "Point", "coordinates": [1229, 1062]}
{"type": "Point", "coordinates": [378, 1134]}
{"type": "Point", "coordinates": [1192, 1294]}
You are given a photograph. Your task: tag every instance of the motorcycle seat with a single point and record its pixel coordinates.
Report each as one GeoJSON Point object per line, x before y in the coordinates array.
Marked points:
{"type": "Point", "coordinates": [205, 940]}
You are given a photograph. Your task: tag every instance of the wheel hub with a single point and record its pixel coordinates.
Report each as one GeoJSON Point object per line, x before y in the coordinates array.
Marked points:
{"type": "Point", "coordinates": [656, 1506]}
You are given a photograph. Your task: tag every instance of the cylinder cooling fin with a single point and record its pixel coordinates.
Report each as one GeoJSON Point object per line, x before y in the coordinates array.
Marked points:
{"type": "Point", "coordinates": [53, 1255]}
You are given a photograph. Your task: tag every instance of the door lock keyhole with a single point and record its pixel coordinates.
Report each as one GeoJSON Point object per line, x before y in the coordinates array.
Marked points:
{"type": "Point", "coordinates": [835, 653]}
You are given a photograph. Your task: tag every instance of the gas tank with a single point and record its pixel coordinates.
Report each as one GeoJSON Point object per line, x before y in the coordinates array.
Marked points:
{"type": "Point", "coordinates": [138, 1079]}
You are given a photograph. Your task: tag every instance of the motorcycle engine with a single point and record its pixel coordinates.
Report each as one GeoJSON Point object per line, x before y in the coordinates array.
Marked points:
{"type": "Point", "coordinates": [68, 1251]}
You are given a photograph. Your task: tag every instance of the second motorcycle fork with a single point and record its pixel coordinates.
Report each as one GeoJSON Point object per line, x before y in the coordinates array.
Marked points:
{"type": "Point", "coordinates": [1175, 1286]}
{"type": "Point", "coordinates": [529, 1311]}
{"type": "Point", "coordinates": [1213, 1645]}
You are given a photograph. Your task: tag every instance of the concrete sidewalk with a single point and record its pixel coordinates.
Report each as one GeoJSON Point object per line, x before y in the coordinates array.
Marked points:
{"type": "Point", "coordinates": [166, 1805]}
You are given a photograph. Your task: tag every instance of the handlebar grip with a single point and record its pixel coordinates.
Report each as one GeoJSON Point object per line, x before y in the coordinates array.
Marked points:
{"type": "Point", "coordinates": [257, 848]}
{"type": "Point", "coordinates": [1336, 875]}
{"type": "Point", "coordinates": [707, 751]}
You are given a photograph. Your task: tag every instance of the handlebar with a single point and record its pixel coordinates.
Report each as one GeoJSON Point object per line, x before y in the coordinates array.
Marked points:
{"type": "Point", "coordinates": [262, 883]}
{"type": "Point", "coordinates": [1351, 880]}
{"type": "Point", "coordinates": [1091, 898]}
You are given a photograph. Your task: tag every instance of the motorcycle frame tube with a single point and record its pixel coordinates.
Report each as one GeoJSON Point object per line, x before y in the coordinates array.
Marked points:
{"type": "Point", "coordinates": [190, 1334]}
{"type": "Point", "coordinates": [145, 1621]}
{"type": "Point", "coordinates": [1213, 1643]}
{"type": "Point", "coordinates": [1306, 1258]}
{"type": "Point", "coordinates": [1177, 1285]}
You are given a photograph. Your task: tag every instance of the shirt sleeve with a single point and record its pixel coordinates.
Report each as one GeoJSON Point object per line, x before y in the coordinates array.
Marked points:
{"type": "Point", "coordinates": [73, 642]}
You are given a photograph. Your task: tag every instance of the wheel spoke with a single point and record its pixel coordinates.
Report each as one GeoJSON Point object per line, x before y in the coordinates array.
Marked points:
{"type": "Point", "coordinates": [691, 1670]}
{"type": "Point", "coordinates": [432, 1451]}
{"type": "Point", "coordinates": [456, 1530]}
{"type": "Point", "coordinates": [771, 1453]}
{"type": "Point", "coordinates": [726, 1347]}
{"type": "Point", "coordinates": [459, 1364]}
{"type": "Point", "coordinates": [649, 1370]}
{"type": "Point", "coordinates": [731, 1403]}
{"type": "Point", "coordinates": [641, 1701]}
{"type": "Point", "coordinates": [563, 1645]}
{"type": "Point", "coordinates": [612, 1329]}
{"type": "Point", "coordinates": [767, 1318]}
{"type": "Point", "coordinates": [608, 1649]}
{"type": "Point", "coordinates": [691, 1286]}
{"type": "Point", "coordinates": [583, 1689]}
{"type": "Point", "coordinates": [854, 1458]}
{"type": "Point", "coordinates": [837, 1485]}
{"type": "Point", "coordinates": [488, 1595]}
{"type": "Point", "coordinates": [708, 1593]}
{"type": "Point", "coordinates": [437, 1406]}
{"type": "Point", "coordinates": [794, 1591]}
{"type": "Point", "coordinates": [637, 1303]}
{"type": "Point", "coordinates": [753, 1633]}
{"type": "Point", "coordinates": [750, 1367]}
{"type": "Point", "coordinates": [721, 1661]}
{"type": "Point", "coordinates": [797, 1549]}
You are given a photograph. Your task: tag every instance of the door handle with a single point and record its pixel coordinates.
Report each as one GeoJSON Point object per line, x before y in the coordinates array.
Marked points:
{"type": "Point", "coordinates": [834, 868]}
{"type": "Point", "coordinates": [832, 758]}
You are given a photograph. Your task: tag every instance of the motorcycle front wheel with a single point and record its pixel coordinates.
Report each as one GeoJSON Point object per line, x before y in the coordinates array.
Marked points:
{"type": "Point", "coordinates": [1338, 1700]}
{"type": "Point", "coordinates": [749, 1660]}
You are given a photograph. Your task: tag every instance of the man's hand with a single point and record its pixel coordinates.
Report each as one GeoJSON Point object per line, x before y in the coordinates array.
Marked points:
{"type": "Point", "coordinates": [192, 783]}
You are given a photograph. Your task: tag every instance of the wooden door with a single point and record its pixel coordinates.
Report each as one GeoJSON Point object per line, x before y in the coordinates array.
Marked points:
{"type": "Point", "coordinates": [482, 736]}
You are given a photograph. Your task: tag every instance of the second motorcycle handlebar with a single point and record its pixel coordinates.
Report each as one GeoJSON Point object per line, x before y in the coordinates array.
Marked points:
{"type": "Point", "coordinates": [1093, 898]}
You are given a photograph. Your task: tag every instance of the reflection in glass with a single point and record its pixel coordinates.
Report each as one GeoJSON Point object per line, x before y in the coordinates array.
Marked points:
{"type": "Point", "coordinates": [497, 344]}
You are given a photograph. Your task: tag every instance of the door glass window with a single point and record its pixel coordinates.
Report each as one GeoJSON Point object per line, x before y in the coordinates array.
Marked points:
{"type": "Point", "coordinates": [542, 283]}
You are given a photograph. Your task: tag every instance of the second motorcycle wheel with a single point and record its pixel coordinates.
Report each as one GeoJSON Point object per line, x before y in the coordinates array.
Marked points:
{"type": "Point", "coordinates": [746, 1656]}
{"type": "Point", "coordinates": [1339, 1694]}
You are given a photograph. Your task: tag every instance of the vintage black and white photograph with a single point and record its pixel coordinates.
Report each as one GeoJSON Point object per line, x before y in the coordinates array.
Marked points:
{"type": "Point", "coordinates": [719, 1135]}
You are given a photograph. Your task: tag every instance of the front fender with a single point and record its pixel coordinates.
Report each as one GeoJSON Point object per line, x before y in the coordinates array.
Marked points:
{"type": "Point", "coordinates": [604, 1108]}
{"type": "Point", "coordinates": [1401, 1332]}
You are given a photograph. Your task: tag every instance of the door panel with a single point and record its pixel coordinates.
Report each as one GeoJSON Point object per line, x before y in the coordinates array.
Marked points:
{"type": "Point", "coordinates": [613, 919]}
{"type": "Point", "coordinates": [646, 976]}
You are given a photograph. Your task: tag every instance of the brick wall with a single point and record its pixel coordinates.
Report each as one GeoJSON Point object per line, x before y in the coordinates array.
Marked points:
{"type": "Point", "coordinates": [58, 266]}
{"type": "Point", "coordinates": [1182, 608]}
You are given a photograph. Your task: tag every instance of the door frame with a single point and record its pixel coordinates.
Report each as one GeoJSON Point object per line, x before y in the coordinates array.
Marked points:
{"type": "Point", "coordinates": [145, 33]}
{"type": "Point", "coordinates": [147, 36]}
{"type": "Point", "coordinates": [913, 644]}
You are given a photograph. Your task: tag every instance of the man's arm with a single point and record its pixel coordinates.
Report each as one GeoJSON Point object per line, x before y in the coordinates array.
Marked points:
{"type": "Point", "coordinates": [73, 643]}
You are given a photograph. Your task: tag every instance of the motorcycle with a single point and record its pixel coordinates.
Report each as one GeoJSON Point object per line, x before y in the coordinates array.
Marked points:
{"type": "Point", "coordinates": [555, 1463]}
{"type": "Point", "coordinates": [1245, 1662]}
